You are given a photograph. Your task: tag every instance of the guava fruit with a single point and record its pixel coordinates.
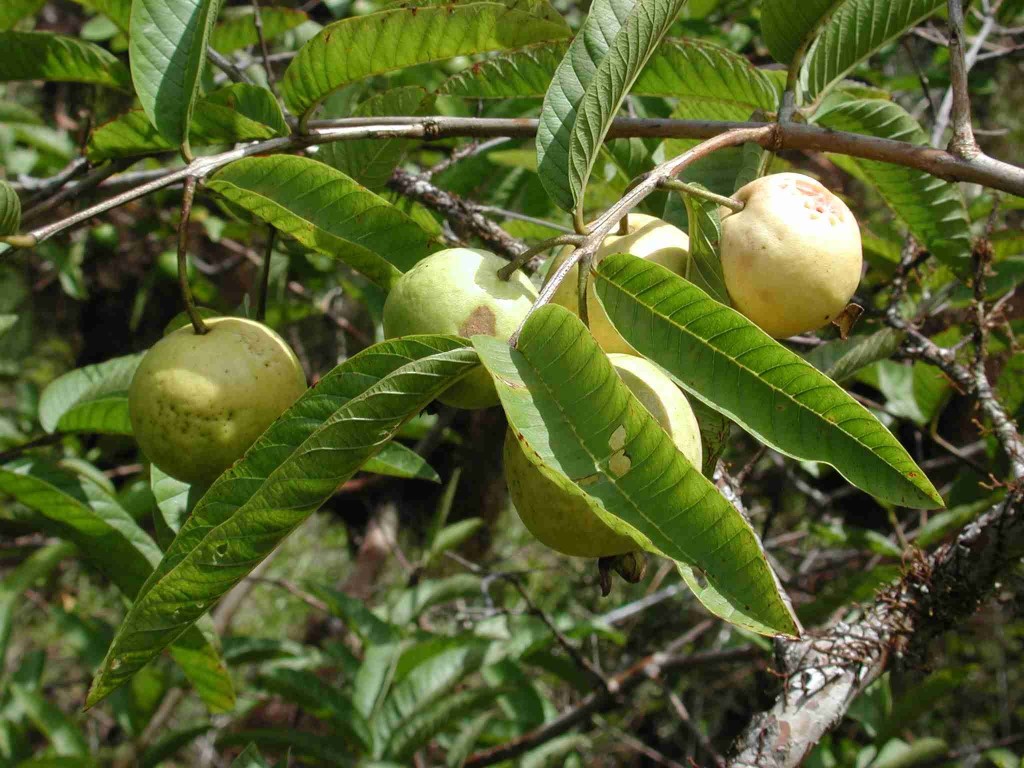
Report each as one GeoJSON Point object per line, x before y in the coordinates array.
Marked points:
{"type": "Point", "coordinates": [792, 257]}
{"type": "Point", "coordinates": [197, 402]}
{"type": "Point", "coordinates": [457, 291]}
{"type": "Point", "coordinates": [564, 521]}
{"type": "Point", "coordinates": [649, 238]}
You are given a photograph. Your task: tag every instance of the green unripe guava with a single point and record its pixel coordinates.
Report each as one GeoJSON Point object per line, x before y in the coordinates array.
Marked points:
{"type": "Point", "coordinates": [564, 521]}
{"type": "Point", "coordinates": [457, 291]}
{"type": "Point", "coordinates": [198, 402]}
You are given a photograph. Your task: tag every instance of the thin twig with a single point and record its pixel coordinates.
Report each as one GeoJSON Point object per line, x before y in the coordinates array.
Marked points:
{"type": "Point", "coordinates": [186, 290]}
{"type": "Point", "coordinates": [264, 286]}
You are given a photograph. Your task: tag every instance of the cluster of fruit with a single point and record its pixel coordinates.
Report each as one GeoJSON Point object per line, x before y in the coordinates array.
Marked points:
{"type": "Point", "coordinates": [791, 260]}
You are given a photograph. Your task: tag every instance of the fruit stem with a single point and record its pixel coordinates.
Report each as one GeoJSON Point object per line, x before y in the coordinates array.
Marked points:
{"type": "Point", "coordinates": [506, 272]}
{"type": "Point", "coordinates": [623, 226]}
{"type": "Point", "coordinates": [578, 223]}
{"type": "Point", "coordinates": [695, 191]}
{"type": "Point", "coordinates": [186, 291]}
{"type": "Point", "coordinates": [264, 287]}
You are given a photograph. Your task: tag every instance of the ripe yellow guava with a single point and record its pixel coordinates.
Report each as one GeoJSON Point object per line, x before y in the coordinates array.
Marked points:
{"type": "Point", "coordinates": [562, 520]}
{"type": "Point", "coordinates": [792, 257]}
{"type": "Point", "coordinates": [457, 291]}
{"type": "Point", "coordinates": [649, 238]}
{"type": "Point", "coordinates": [198, 402]}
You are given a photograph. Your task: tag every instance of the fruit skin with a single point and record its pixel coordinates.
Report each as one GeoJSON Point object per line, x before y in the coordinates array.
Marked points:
{"type": "Point", "coordinates": [792, 257]}
{"type": "Point", "coordinates": [562, 520]}
{"type": "Point", "coordinates": [198, 402]}
{"type": "Point", "coordinates": [649, 238]}
{"type": "Point", "coordinates": [457, 291]}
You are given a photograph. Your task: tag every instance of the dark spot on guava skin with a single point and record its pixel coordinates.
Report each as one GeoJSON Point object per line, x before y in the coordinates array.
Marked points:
{"type": "Point", "coordinates": [481, 321]}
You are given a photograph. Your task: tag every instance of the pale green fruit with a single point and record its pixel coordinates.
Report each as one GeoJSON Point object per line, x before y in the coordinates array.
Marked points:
{"type": "Point", "coordinates": [649, 238]}
{"type": "Point", "coordinates": [562, 520]}
{"type": "Point", "coordinates": [792, 257]}
{"type": "Point", "coordinates": [457, 291]}
{"type": "Point", "coordinates": [198, 402]}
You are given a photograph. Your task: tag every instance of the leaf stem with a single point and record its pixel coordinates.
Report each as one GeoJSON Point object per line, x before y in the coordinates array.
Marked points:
{"type": "Point", "coordinates": [186, 291]}
{"type": "Point", "coordinates": [506, 272]}
{"type": "Point", "coordinates": [693, 190]}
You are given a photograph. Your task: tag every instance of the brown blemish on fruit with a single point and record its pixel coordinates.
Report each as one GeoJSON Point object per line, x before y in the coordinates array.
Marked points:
{"type": "Point", "coordinates": [481, 322]}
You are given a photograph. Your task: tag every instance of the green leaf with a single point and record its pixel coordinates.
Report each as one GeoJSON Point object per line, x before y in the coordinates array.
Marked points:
{"type": "Point", "coordinates": [174, 503]}
{"type": "Point", "coordinates": [237, 112]}
{"type": "Point", "coordinates": [294, 467]}
{"type": "Point", "coordinates": [464, 742]}
{"type": "Point", "coordinates": [237, 29]}
{"type": "Point", "coordinates": [250, 757]}
{"type": "Point", "coordinates": [419, 729]}
{"type": "Point", "coordinates": [54, 58]}
{"type": "Point", "coordinates": [854, 32]}
{"type": "Point", "coordinates": [36, 566]}
{"type": "Point", "coordinates": [605, 57]}
{"type": "Point", "coordinates": [10, 210]}
{"type": "Point", "coordinates": [850, 588]}
{"type": "Point", "coordinates": [584, 430]}
{"type": "Point", "coordinates": [411, 603]}
{"type": "Point", "coordinates": [734, 367]}
{"type": "Point", "coordinates": [13, 11]}
{"type": "Point", "coordinates": [359, 619]}
{"type": "Point", "coordinates": [172, 742]}
{"type": "Point", "coordinates": [452, 536]}
{"type": "Point", "coordinates": [948, 522]}
{"type": "Point", "coordinates": [90, 399]}
{"type": "Point", "coordinates": [789, 25]}
{"type": "Point", "coordinates": [60, 731]}
{"type": "Point", "coordinates": [409, 702]}
{"type": "Point", "coordinates": [396, 460]}
{"type": "Point", "coordinates": [526, 72]}
{"type": "Point", "coordinates": [373, 679]}
{"type": "Point", "coordinates": [352, 49]}
{"type": "Point", "coordinates": [87, 515]}
{"type": "Point", "coordinates": [705, 268]}
{"type": "Point", "coordinates": [327, 211]}
{"type": "Point", "coordinates": [841, 360]}
{"type": "Point", "coordinates": [321, 700]}
{"type": "Point", "coordinates": [933, 209]}
{"type": "Point", "coordinates": [118, 11]}
{"type": "Point", "coordinates": [167, 48]}
{"type": "Point", "coordinates": [371, 161]}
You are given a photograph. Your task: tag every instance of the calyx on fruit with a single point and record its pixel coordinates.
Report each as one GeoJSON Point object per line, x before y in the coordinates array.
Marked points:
{"type": "Point", "coordinates": [648, 238]}
{"type": "Point", "coordinates": [197, 402]}
{"type": "Point", "coordinates": [792, 257]}
{"type": "Point", "coordinates": [457, 291]}
{"type": "Point", "coordinates": [563, 520]}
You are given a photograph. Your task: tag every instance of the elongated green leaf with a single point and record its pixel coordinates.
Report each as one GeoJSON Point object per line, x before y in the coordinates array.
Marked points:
{"type": "Point", "coordinates": [238, 27]}
{"type": "Point", "coordinates": [526, 72]}
{"type": "Point", "coordinates": [238, 112]}
{"type": "Point", "coordinates": [396, 460]}
{"type": "Point", "coordinates": [42, 56]}
{"type": "Point", "coordinates": [933, 209]}
{"type": "Point", "coordinates": [734, 367]}
{"type": "Point", "coordinates": [36, 566]}
{"type": "Point", "coordinates": [167, 48]}
{"type": "Point", "coordinates": [284, 477]}
{"type": "Point", "coordinates": [854, 32]}
{"type": "Point", "coordinates": [605, 57]}
{"type": "Point", "coordinates": [582, 427]}
{"type": "Point", "coordinates": [90, 517]}
{"type": "Point", "coordinates": [10, 210]}
{"type": "Point", "coordinates": [60, 731]}
{"type": "Point", "coordinates": [540, 8]}
{"type": "Point", "coordinates": [417, 732]}
{"type": "Point", "coordinates": [788, 25]}
{"type": "Point", "coordinates": [422, 689]}
{"type": "Point", "coordinates": [174, 503]}
{"type": "Point", "coordinates": [320, 699]}
{"type": "Point", "coordinates": [355, 48]}
{"type": "Point", "coordinates": [90, 399]}
{"type": "Point", "coordinates": [359, 619]}
{"type": "Point", "coordinates": [411, 603]}
{"type": "Point", "coordinates": [371, 161]}
{"type": "Point", "coordinates": [13, 11]}
{"type": "Point", "coordinates": [169, 744]}
{"type": "Point", "coordinates": [705, 269]}
{"type": "Point", "coordinates": [373, 679]}
{"type": "Point", "coordinates": [839, 360]}
{"type": "Point", "coordinates": [327, 211]}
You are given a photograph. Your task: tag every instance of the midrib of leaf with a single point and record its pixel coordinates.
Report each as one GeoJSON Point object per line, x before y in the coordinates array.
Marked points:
{"type": "Point", "coordinates": [619, 262]}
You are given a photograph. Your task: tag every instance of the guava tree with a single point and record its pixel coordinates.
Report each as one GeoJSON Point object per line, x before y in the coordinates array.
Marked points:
{"type": "Point", "coordinates": [763, 397]}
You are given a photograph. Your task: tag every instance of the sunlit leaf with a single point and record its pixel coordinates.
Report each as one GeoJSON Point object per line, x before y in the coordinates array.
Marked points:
{"type": "Point", "coordinates": [396, 460]}
{"type": "Point", "coordinates": [54, 58]}
{"type": "Point", "coordinates": [294, 467]}
{"type": "Point", "coordinates": [237, 28]}
{"type": "Point", "coordinates": [734, 367]}
{"type": "Point", "coordinates": [90, 399]}
{"type": "Point", "coordinates": [13, 11]}
{"type": "Point", "coordinates": [789, 25]}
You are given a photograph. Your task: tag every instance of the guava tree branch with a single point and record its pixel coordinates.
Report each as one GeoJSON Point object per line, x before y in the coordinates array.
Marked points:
{"type": "Point", "coordinates": [461, 213]}
{"type": "Point", "coordinates": [824, 673]}
{"type": "Point", "coordinates": [979, 169]}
